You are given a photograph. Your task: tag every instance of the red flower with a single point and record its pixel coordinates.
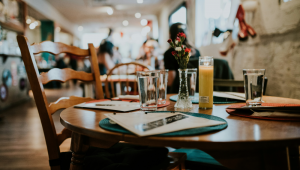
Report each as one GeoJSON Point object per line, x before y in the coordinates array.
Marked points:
{"type": "Point", "coordinates": [187, 50]}
{"type": "Point", "coordinates": [181, 34]}
{"type": "Point", "coordinates": [182, 46]}
{"type": "Point", "coordinates": [178, 39]}
{"type": "Point", "coordinates": [173, 53]}
{"type": "Point", "coordinates": [169, 40]}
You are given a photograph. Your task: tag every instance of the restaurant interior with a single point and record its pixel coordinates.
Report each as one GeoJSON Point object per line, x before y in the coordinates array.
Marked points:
{"type": "Point", "coordinates": [150, 84]}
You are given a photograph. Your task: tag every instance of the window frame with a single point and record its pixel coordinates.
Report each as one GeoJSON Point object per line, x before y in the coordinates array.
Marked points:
{"type": "Point", "coordinates": [183, 4]}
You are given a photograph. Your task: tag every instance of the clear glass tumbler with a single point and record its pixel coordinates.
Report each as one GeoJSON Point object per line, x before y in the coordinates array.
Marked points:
{"type": "Point", "coordinates": [163, 83]}
{"type": "Point", "coordinates": [191, 81]}
{"type": "Point", "coordinates": [148, 91]}
{"type": "Point", "coordinates": [254, 85]}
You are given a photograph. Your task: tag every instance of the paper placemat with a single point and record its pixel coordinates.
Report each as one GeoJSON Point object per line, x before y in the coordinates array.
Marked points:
{"type": "Point", "coordinates": [105, 124]}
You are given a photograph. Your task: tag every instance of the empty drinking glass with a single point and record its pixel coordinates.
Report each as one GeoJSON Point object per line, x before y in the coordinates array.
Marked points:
{"type": "Point", "coordinates": [191, 81]}
{"type": "Point", "coordinates": [163, 83]}
{"type": "Point", "coordinates": [148, 91]}
{"type": "Point", "coordinates": [254, 85]}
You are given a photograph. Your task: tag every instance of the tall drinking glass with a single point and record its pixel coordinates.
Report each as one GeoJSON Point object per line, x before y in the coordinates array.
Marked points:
{"type": "Point", "coordinates": [206, 81]}
{"type": "Point", "coordinates": [148, 91]}
{"type": "Point", "coordinates": [163, 83]}
{"type": "Point", "coordinates": [254, 85]}
{"type": "Point", "coordinates": [191, 81]}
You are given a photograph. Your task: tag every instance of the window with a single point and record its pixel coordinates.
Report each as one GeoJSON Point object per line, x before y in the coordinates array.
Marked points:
{"type": "Point", "coordinates": [289, 4]}
{"type": "Point", "coordinates": [179, 15]}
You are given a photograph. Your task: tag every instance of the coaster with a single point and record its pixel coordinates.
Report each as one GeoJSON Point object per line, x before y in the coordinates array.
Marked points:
{"type": "Point", "coordinates": [105, 124]}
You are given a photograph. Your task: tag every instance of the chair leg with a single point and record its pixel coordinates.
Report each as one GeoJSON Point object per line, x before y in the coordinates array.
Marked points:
{"type": "Point", "coordinates": [78, 149]}
{"type": "Point", "coordinates": [182, 166]}
{"type": "Point", "coordinates": [293, 157]}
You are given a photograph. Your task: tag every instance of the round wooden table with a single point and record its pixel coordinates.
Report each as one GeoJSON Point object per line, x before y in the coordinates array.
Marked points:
{"type": "Point", "coordinates": [244, 143]}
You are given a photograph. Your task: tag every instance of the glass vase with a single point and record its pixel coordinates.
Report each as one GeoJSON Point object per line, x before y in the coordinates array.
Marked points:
{"type": "Point", "coordinates": [183, 100]}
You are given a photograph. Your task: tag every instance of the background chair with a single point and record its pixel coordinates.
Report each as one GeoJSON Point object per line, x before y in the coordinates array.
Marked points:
{"type": "Point", "coordinates": [124, 75]}
{"type": "Point", "coordinates": [53, 140]}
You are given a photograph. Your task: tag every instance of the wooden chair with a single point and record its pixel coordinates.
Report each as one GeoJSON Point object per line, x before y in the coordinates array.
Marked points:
{"type": "Point", "coordinates": [126, 74]}
{"type": "Point", "coordinates": [46, 110]}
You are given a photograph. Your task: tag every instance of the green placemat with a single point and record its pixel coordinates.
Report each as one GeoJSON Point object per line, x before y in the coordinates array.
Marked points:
{"type": "Point", "coordinates": [105, 124]}
{"type": "Point", "coordinates": [217, 100]}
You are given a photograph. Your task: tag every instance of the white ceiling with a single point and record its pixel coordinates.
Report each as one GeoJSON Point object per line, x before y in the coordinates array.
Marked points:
{"type": "Point", "coordinates": [92, 13]}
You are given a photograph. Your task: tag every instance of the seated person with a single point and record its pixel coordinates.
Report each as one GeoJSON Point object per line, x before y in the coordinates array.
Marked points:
{"type": "Point", "coordinates": [107, 56]}
{"type": "Point", "coordinates": [170, 62]}
{"type": "Point", "coordinates": [150, 55]}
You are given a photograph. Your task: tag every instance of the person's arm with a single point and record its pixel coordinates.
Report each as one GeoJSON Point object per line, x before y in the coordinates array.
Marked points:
{"type": "Point", "coordinates": [108, 62]}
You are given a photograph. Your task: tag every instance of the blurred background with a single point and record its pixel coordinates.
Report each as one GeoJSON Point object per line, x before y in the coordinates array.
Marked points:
{"type": "Point", "coordinates": [129, 24]}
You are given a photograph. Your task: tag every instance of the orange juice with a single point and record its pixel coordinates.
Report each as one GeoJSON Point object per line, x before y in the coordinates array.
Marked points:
{"type": "Point", "coordinates": [206, 80]}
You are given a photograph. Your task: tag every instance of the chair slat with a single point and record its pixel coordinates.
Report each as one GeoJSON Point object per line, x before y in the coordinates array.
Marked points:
{"type": "Point", "coordinates": [63, 75]}
{"type": "Point", "coordinates": [125, 77]}
{"type": "Point", "coordinates": [57, 48]}
{"type": "Point", "coordinates": [65, 102]}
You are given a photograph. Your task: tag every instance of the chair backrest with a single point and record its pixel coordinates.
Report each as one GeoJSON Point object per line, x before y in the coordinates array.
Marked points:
{"type": "Point", "coordinates": [37, 81]}
{"type": "Point", "coordinates": [124, 73]}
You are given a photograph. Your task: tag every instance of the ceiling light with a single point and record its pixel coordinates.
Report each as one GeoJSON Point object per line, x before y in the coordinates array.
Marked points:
{"type": "Point", "coordinates": [125, 23]}
{"type": "Point", "coordinates": [80, 28]}
{"type": "Point", "coordinates": [32, 26]}
{"type": "Point", "coordinates": [109, 11]}
{"type": "Point", "coordinates": [36, 23]}
{"type": "Point", "coordinates": [144, 22]}
{"type": "Point", "coordinates": [28, 21]}
{"type": "Point", "coordinates": [138, 15]}
{"type": "Point", "coordinates": [147, 29]}
{"type": "Point", "coordinates": [140, 1]}
{"type": "Point", "coordinates": [57, 29]}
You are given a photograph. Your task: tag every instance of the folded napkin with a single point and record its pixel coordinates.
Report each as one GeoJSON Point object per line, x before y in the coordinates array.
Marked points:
{"type": "Point", "coordinates": [129, 97]}
{"type": "Point", "coordinates": [275, 114]}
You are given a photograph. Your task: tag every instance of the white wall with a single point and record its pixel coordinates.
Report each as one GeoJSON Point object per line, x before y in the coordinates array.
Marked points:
{"type": "Point", "coordinates": [276, 48]}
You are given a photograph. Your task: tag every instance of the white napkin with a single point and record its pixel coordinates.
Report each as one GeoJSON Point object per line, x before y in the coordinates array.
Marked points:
{"type": "Point", "coordinates": [129, 97]}
{"type": "Point", "coordinates": [275, 114]}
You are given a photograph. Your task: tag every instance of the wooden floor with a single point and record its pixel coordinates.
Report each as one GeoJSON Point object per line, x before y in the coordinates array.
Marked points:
{"type": "Point", "coordinates": [22, 143]}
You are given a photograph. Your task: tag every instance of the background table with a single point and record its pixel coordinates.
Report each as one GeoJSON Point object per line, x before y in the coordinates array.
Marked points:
{"type": "Point", "coordinates": [245, 144]}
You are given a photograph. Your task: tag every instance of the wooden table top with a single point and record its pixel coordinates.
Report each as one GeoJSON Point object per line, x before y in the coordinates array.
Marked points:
{"type": "Point", "coordinates": [241, 133]}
